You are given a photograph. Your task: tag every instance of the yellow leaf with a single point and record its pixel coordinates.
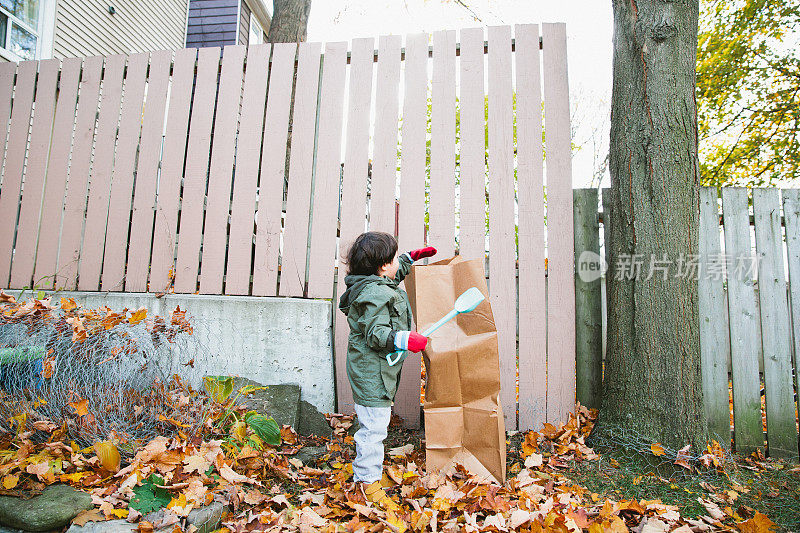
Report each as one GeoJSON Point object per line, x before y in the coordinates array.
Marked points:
{"type": "Point", "coordinates": [137, 316]}
{"type": "Point", "coordinates": [81, 407]}
{"type": "Point", "coordinates": [120, 513]}
{"type": "Point", "coordinates": [108, 455]}
{"type": "Point", "coordinates": [180, 501]}
{"type": "Point", "coordinates": [9, 481]}
{"type": "Point", "coordinates": [74, 477]}
{"type": "Point", "coordinates": [657, 449]}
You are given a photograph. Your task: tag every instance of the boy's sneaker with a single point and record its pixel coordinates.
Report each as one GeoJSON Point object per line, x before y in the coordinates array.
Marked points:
{"type": "Point", "coordinates": [374, 493]}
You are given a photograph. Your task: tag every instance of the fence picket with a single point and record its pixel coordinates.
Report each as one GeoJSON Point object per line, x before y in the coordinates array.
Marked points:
{"type": "Point", "coordinates": [80, 165]}
{"type": "Point", "coordinates": [195, 178]}
{"type": "Point", "coordinates": [791, 214]}
{"type": "Point", "coordinates": [220, 176]}
{"type": "Point", "coordinates": [561, 277]}
{"type": "Point", "coordinates": [588, 314]}
{"type": "Point", "coordinates": [119, 212]}
{"type": "Point", "coordinates": [531, 314]}
{"type": "Point", "coordinates": [14, 161]}
{"type": "Point", "coordinates": [301, 160]}
{"type": "Point", "coordinates": [714, 341]}
{"type": "Point", "coordinates": [502, 260]}
{"type": "Point", "coordinates": [384, 160]}
{"type": "Point", "coordinates": [354, 195]}
{"type": "Point", "coordinates": [775, 333]}
{"type": "Point", "coordinates": [100, 181]}
{"type": "Point", "coordinates": [57, 166]}
{"type": "Point", "coordinates": [327, 174]}
{"type": "Point", "coordinates": [442, 207]}
{"type": "Point", "coordinates": [411, 219]}
{"type": "Point", "coordinates": [742, 314]}
{"type": "Point", "coordinates": [8, 70]}
{"type": "Point", "coordinates": [472, 186]}
{"type": "Point", "coordinates": [273, 168]}
{"type": "Point", "coordinates": [28, 225]}
{"type": "Point", "coordinates": [248, 152]}
{"type": "Point", "coordinates": [142, 239]}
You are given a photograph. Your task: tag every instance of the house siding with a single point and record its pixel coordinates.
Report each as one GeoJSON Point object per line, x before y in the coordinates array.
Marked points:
{"type": "Point", "coordinates": [212, 23]}
{"type": "Point", "coordinates": [85, 27]}
{"type": "Point", "coordinates": [244, 24]}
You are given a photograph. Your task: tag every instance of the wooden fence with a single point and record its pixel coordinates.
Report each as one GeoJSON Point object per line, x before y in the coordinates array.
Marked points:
{"type": "Point", "coordinates": [749, 302]}
{"type": "Point", "coordinates": [169, 171]}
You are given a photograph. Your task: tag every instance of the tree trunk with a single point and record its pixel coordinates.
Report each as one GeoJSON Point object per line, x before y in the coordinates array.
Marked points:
{"type": "Point", "coordinates": [652, 372]}
{"type": "Point", "coordinates": [289, 21]}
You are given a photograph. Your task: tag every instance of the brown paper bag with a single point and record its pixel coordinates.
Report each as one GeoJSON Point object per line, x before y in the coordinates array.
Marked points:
{"type": "Point", "coordinates": [463, 417]}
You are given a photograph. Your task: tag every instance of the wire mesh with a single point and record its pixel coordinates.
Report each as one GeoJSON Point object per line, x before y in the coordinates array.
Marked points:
{"type": "Point", "coordinates": [99, 374]}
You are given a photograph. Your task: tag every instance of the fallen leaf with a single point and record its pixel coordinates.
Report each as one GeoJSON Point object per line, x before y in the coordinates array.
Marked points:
{"type": "Point", "coordinates": [533, 460]}
{"type": "Point", "coordinates": [657, 449]}
{"type": "Point", "coordinates": [401, 451]}
{"type": "Point", "coordinates": [10, 481]}
{"type": "Point", "coordinates": [92, 515]}
{"type": "Point", "coordinates": [81, 407]}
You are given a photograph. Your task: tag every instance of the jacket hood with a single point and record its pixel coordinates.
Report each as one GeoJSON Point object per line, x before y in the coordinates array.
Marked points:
{"type": "Point", "coordinates": [356, 284]}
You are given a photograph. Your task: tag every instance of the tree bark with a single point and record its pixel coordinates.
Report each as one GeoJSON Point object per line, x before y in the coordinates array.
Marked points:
{"type": "Point", "coordinates": [289, 21]}
{"type": "Point", "coordinates": [652, 372]}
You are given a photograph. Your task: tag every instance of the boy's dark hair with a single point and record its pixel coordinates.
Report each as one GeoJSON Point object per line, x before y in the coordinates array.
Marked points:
{"type": "Point", "coordinates": [369, 252]}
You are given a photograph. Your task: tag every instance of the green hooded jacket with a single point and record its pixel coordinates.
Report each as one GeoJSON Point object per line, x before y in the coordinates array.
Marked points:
{"type": "Point", "coordinates": [376, 308]}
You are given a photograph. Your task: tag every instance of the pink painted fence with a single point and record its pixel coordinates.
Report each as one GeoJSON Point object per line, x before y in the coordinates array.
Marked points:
{"type": "Point", "coordinates": [168, 171]}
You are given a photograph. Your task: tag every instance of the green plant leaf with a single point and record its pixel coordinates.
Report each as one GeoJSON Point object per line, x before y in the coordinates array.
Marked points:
{"type": "Point", "coordinates": [218, 387]}
{"type": "Point", "coordinates": [147, 497]}
{"type": "Point", "coordinates": [265, 427]}
{"type": "Point", "coordinates": [250, 389]}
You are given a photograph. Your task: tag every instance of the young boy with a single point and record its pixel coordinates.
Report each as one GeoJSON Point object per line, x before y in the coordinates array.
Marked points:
{"type": "Point", "coordinates": [379, 317]}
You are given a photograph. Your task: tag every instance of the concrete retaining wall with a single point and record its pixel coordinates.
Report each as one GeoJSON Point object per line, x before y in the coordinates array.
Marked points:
{"type": "Point", "coordinates": [268, 340]}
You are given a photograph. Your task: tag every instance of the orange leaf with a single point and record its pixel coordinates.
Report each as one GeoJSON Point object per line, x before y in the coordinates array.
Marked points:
{"type": "Point", "coordinates": [758, 524]}
{"type": "Point", "coordinates": [657, 449]}
{"type": "Point", "coordinates": [9, 482]}
{"type": "Point", "coordinates": [81, 407]}
{"type": "Point", "coordinates": [68, 304]}
{"type": "Point", "coordinates": [137, 316]}
{"type": "Point", "coordinates": [48, 365]}
{"type": "Point", "coordinates": [108, 455]}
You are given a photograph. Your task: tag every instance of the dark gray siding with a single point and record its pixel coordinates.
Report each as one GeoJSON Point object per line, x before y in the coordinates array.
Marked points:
{"type": "Point", "coordinates": [212, 23]}
{"type": "Point", "coordinates": [244, 24]}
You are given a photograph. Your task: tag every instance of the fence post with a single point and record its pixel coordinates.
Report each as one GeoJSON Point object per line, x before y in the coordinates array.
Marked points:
{"type": "Point", "coordinates": [588, 317]}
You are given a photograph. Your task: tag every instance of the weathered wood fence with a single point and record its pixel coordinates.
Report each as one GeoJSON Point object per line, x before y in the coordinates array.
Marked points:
{"type": "Point", "coordinates": [169, 171]}
{"type": "Point", "coordinates": [749, 301]}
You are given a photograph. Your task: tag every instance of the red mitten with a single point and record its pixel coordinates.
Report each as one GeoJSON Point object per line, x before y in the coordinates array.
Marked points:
{"type": "Point", "coordinates": [410, 340]}
{"type": "Point", "coordinates": [421, 253]}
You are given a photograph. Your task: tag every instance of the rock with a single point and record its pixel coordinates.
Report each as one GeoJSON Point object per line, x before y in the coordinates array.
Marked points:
{"type": "Point", "coordinates": [312, 422]}
{"type": "Point", "coordinates": [53, 509]}
{"type": "Point", "coordinates": [310, 454]}
{"type": "Point", "coordinates": [206, 519]}
{"type": "Point", "coordinates": [111, 526]}
{"type": "Point", "coordinates": [281, 402]}
{"type": "Point", "coordinates": [7, 530]}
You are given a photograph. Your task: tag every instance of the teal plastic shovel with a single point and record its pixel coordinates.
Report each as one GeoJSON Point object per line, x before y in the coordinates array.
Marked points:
{"type": "Point", "coordinates": [468, 301]}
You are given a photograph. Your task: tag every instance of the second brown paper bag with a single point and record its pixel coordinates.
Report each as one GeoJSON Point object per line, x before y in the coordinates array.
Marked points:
{"type": "Point", "coordinates": [463, 417]}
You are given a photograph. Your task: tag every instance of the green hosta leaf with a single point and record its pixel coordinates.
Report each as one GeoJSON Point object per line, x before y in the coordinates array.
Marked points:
{"type": "Point", "coordinates": [147, 497]}
{"type": "Point", "coordinates": [265, 427]}
{"type": "Point", "coordinates": [218, 387]}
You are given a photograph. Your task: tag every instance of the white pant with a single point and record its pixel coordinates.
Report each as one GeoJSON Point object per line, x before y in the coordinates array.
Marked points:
{"type": "Point", "coordinates": [374, 421]}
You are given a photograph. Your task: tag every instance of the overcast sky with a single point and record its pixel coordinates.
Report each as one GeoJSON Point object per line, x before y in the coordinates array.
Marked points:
{"type": "Point", "coordinates": [589, 33]}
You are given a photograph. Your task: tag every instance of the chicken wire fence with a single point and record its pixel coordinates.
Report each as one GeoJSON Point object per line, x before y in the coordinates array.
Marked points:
{"type": "Point", "coordinates": [101, 375]}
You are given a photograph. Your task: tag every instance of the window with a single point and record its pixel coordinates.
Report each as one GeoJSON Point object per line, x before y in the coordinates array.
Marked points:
{"type": "Point", "coordinates": [256, 33]}
{"type": "Point", "coordinates": [19, 27]}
